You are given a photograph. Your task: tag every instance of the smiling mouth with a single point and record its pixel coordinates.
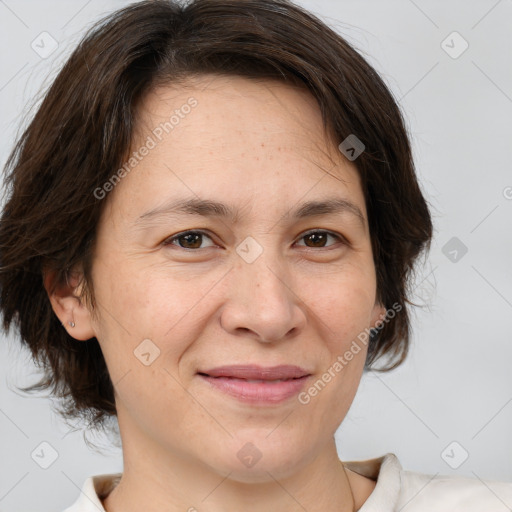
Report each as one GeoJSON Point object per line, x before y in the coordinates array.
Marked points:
{"type": "Point", "coordinates": [255, 384]}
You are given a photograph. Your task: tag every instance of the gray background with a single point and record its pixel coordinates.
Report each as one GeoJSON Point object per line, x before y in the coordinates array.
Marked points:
{"type": "Point", "coordinates": [456, 385]}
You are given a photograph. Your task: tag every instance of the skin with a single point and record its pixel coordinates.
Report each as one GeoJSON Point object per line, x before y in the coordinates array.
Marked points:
{"type": "Point", "coordinates": [258, 146]}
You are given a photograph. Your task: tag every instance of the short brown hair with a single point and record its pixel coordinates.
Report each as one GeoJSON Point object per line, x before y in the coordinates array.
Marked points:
{"type": "Point", "coordinates": [83, 129]}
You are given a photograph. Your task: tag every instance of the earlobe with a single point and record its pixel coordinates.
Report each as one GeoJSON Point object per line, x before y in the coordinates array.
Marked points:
{"type": "Point", "coordinates": [64, 297]}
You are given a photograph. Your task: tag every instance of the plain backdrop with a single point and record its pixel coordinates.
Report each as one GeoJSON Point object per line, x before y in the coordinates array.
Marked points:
{"type": "Point", "coordinates": [448, 409]}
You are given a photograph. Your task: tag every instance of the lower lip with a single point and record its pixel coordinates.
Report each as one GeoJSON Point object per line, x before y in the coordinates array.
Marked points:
{"type": "Point", "coordinates": [257, 392]}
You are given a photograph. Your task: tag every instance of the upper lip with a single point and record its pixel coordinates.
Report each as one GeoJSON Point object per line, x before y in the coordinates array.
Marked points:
{"type": "Point", "coordinates": [255, 372]}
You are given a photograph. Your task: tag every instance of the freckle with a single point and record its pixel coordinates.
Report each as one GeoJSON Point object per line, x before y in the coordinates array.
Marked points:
{"type": "Point", "coordinates": [262, 145]}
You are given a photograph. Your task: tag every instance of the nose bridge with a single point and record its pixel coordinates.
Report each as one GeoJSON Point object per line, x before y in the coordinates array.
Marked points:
{"type": "Point", "coordinates": [261, 272]}
{"type": "Point", "coordinates": [262, 300]}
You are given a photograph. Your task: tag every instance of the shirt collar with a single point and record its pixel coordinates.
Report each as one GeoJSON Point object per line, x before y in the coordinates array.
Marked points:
{"type": "Point", "coordinates": [93, 491]}
{"type": "Point", "coordinates": [386, 470]}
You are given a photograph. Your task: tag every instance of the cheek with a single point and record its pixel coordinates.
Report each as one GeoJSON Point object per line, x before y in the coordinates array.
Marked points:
{"type": "Point", "coordinates": [154, 399]}
{"type": "Point", "coordinates": [140, 299]}
{"type": "Point", "coordinates": [344, 306]}
{"type": "Point", "coordinates": [167, 306]}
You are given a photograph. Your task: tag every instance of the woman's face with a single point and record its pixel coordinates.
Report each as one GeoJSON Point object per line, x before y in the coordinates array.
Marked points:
{"type": "Point", "coordinates": [252, 290]}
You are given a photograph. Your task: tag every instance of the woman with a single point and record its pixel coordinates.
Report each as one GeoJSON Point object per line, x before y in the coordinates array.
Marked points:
{"type": "Point", "coordinates": [211, 225]}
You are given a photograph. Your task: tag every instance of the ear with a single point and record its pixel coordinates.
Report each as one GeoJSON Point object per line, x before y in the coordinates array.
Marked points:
{"type": "Point", "coordinates": [66, 303]}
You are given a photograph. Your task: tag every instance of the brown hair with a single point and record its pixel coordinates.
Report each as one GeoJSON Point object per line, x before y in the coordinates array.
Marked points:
{"type": "Point", "coordinates": [83, 129]}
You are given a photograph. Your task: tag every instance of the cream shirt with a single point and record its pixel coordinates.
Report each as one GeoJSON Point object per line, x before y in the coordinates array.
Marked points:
{"type": "Point", "coordinates": [396, 490]}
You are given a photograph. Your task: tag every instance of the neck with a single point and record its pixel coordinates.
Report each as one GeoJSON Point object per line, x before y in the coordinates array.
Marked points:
{"type": "Point", "coordinates": [156, 480]}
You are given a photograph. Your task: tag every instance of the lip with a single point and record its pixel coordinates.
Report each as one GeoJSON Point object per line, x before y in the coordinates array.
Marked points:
{"type": "Point", "coordinates": [257, 384]}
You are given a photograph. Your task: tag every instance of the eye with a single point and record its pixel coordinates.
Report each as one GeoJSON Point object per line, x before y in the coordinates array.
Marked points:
{"type": "Point", "coordinates": [318, 238]}
{"type": "Point", "coordinates": [191, 239]}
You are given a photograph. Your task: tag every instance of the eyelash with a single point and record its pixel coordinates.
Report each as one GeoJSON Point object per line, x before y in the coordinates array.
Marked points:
{"type": "Point", "coordinates": [169, 241]}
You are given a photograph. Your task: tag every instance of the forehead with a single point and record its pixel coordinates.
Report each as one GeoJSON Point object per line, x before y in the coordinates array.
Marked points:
{"type": "Point", "coordinates": [240, 136]}
{"type": "Point", "coordinates": [228, 105]}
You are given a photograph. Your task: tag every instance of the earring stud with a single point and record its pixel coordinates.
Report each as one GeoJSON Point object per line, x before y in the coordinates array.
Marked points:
{"type": "Point", "coordinates": [71, 324]}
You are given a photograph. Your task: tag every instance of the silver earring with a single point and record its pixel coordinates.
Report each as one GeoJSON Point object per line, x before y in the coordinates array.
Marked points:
{"type": "Point", "coordinates": [71, 324]}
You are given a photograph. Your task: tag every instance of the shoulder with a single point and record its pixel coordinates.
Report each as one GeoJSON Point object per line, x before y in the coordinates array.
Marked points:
{"type": "Point", "coordinates": [422, 492]}
{"type": "Point", "coordinates": [398, 489]}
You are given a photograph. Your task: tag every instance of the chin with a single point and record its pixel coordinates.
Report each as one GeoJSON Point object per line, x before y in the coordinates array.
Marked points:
{"type": "Point", "coordinates": [261, 460]}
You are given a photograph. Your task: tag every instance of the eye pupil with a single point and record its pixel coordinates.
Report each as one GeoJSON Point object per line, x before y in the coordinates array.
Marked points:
{"type": "Point", "coordinates": [196, 236]}
{"type": "Point", "coordinates": [318, 239]}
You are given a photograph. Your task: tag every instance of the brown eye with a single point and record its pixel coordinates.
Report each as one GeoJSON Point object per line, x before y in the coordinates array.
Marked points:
{"type": "Point", "coordinates": [188, 239]}
{"type": "Point", "coordinates": [318, 239]}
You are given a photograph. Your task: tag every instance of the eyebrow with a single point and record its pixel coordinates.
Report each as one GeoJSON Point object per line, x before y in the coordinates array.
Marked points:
{"type": "Point", "coordinates": [210, 208]}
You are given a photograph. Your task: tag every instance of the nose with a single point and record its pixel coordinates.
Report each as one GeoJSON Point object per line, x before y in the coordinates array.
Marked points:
{"type": "Point", "coordinates": [263, 301]}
